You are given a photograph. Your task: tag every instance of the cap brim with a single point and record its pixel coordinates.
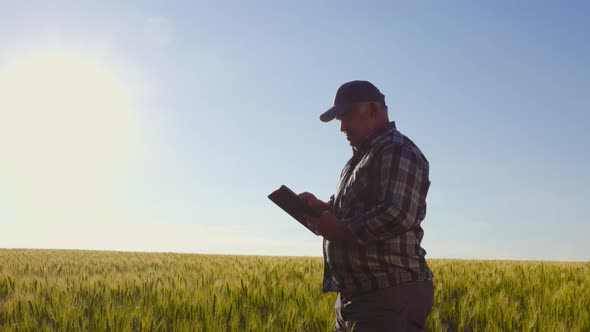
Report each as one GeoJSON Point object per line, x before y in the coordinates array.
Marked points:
{"type": "Point", "coordinates": [333, 112]}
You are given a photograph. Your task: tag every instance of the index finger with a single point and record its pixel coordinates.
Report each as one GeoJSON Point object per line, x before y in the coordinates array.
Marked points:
{"type": "Point", "coordinates": [307, 196]}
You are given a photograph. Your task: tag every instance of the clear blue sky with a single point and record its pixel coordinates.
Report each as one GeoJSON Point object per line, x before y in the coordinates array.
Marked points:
{"type": "Point", "coordinates": [221, 106]}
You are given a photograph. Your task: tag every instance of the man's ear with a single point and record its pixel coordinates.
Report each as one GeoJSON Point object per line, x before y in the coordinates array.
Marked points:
{"type": "Point", "coordinates": [374, 109]}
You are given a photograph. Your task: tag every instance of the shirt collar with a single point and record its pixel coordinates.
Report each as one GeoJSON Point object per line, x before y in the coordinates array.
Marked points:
{"type": "Point", "coordinates": [376, 136]}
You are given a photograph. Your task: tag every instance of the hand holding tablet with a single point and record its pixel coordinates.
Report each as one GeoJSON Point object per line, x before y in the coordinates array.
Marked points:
{"type": "Point", "coordinates": [294, 205]}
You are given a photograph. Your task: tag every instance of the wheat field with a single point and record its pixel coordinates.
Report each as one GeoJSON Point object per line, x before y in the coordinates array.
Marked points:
{"type": "Point", "coordinates": [66, 290]}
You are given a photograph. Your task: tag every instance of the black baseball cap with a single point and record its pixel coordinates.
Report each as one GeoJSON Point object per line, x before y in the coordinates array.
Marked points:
{"type": "Point", "coordinates": [351, 93]}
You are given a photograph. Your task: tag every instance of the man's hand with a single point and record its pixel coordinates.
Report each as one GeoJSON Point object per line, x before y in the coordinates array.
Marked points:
{"type": "Point", "coordinates": [330, 227]}
{"type": "Point", "coordinates": [315, 203]}
{"type": "Point", "coordinates": [327, 225]}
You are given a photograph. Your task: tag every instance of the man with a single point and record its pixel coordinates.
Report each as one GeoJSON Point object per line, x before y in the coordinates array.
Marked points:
{"type": "Point", "coordinates": [371, 225]}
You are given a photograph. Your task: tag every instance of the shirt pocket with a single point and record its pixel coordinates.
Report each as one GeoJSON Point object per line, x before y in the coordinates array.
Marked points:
{"type": "Point", "coordinates": [356, 195]}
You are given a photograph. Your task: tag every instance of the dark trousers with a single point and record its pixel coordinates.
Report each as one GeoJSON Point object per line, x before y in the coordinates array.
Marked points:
{"type": "Point", "coordinates": [400, 308]}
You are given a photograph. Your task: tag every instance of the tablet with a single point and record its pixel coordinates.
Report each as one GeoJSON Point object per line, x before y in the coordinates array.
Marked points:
{"type": "Point", "coordinates": [294, 205]}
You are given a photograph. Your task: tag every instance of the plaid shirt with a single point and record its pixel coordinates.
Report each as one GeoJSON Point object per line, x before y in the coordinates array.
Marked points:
{"type": "Point", "coordinates": [381, 197]}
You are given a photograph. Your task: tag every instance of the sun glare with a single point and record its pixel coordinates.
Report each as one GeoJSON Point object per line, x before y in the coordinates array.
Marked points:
{"type": "Point", "coordinates": [66, 128]}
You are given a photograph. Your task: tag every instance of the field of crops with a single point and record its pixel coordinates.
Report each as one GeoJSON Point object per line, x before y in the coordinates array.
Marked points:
{"type": "Point", "coordinates": [115, 291]}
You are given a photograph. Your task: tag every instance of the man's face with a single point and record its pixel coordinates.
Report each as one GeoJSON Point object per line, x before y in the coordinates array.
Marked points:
{"type": "Point", "coordinates": [357, 124]}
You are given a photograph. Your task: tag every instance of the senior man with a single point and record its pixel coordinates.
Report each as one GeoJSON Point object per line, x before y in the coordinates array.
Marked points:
{"type": "Point", "coordinates": [373, 256]}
